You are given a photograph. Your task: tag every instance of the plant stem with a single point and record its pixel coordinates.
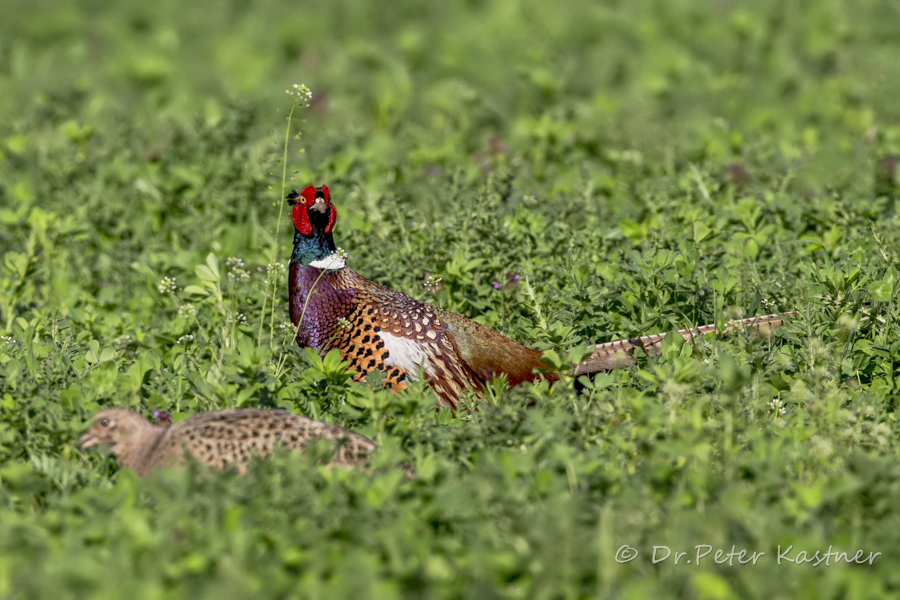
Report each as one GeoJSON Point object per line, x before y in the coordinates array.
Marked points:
{"type": "Point", "coordinates": [277, 277]}
{"type": "Point", "coordinates": [275, 253]}
{"type": "Point", "coordinates": [287, 141]}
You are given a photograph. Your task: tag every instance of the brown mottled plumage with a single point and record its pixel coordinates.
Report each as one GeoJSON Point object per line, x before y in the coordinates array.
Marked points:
{"type": "Point", "coordinates": [379, 329]}
{"type": "Point", "coordinates": [217, 438]}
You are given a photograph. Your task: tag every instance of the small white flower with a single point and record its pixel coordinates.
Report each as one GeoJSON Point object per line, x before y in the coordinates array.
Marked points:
{"type": "Point", "coordinates": [8, 340]}
{"type": "Point", "coordinates": [344, 324]}
{"type": "Point", "coordinates": [777, 406]}
{"type": "Point", "coordinates": [275, 268]}
{"type": "Point", "coordinates": [241, 318]}
{"type": "Point", "coordinates": [122, 340]}
{"type": "Point", "coordinates": [284, 327]}
{"type": "Point", "coordinates": [236, 270]}
{"type": "Point", "coordinates": [301, 93]}
{"type": "Point", "coordinates": [167, 285]}
{"type": "Point", "coordinates": [432, 284]}
{"type": "Point", "coordinates": [185, 339]}
{"type": "Point", "coordinates": [342, 253]}
{"type": "Point", "coordinates": [187, 310]}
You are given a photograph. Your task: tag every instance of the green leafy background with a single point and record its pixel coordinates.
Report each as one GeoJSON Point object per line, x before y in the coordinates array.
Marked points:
{"type": "Point", "coordinates": [641, 166]}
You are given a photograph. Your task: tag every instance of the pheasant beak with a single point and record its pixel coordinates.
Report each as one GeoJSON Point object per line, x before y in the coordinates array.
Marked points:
{"type": "Point", "coordinates": [319, 205]}
{"type": "Point", "coordinates": [88, 440]}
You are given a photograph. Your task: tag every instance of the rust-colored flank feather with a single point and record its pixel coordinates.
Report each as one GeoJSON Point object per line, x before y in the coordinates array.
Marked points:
{"type": "Point", "coordinates": [379, 329]}
{"type": "Point", "coordinates": [217, 438]}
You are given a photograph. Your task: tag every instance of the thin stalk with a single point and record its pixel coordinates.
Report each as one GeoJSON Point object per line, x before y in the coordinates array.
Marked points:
{"type": "Point", "coordinates": [302, 97]}
{"type": "Point", "coordinates": [262, 318]}
{"type": "Point", "coordinates": [287, 141]}
{"type": "Point", "coordinates": [277, 277]}
{"type": "Point", "coordinates": [275, 253]}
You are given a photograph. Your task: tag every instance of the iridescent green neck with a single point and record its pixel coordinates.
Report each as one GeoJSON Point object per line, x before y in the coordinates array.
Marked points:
{"type": "Point", "coordinates": [312, 248]}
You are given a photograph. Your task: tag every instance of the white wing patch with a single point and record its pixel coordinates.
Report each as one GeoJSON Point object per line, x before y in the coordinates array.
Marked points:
{"type": "Point", "coordinates": [405, 354]}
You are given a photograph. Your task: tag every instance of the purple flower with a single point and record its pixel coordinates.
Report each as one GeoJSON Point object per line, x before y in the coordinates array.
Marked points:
{"type": "Point", "coordinates": [163, 418]}
{"type": "Point", "coordinates": [496, 285]}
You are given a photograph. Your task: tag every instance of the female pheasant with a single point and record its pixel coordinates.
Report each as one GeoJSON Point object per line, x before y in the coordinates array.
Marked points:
{"type": "Point", "coordinates": [217, 439]}
{"type": "Point", "coordinates": [376, 328]}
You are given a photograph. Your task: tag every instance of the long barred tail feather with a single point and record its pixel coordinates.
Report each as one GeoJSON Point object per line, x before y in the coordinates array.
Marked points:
{"type": "Point", "coordinates": [615, 355]}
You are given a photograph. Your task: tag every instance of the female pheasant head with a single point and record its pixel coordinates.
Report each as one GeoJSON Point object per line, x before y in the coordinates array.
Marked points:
{"type": "Point", "coordinates": [130, 437]}
{"type": "Point", "coordinates": [314, 216]}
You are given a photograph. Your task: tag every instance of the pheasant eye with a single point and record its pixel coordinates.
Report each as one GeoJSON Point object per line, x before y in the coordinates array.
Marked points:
{"type": "Point", "coordinates": [307, 195]}
{"type": "Point", "coordinates": [105, 422]}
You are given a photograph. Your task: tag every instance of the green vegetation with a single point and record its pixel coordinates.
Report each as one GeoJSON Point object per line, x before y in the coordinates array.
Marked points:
{"type": "Point", "coordinates": [642, 165]}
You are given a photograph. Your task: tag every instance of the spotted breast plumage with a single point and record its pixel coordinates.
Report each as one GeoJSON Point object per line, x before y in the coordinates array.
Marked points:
{"type": "Point", "coordinates": [379, 329]}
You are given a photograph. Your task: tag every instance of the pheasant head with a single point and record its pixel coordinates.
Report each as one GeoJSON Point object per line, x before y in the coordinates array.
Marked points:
{"type": "Point", "coordinates": [314, 216]}
{"type": "Point", "coordinates": [130, 437]}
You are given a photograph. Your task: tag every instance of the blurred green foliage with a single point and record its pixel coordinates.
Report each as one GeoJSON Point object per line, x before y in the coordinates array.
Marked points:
{"type": "Point", "coordinates": [642, 166]}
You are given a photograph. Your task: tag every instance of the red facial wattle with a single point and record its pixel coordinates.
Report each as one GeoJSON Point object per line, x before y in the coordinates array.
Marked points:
{"type": "Point", "coordinates": [307, 198]}
{"type": "Point", "coordinates": [332, 212]}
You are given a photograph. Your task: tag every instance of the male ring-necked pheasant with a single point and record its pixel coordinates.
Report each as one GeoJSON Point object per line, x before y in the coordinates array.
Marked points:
{"type": "Point", "coordinates": [376, 328]}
